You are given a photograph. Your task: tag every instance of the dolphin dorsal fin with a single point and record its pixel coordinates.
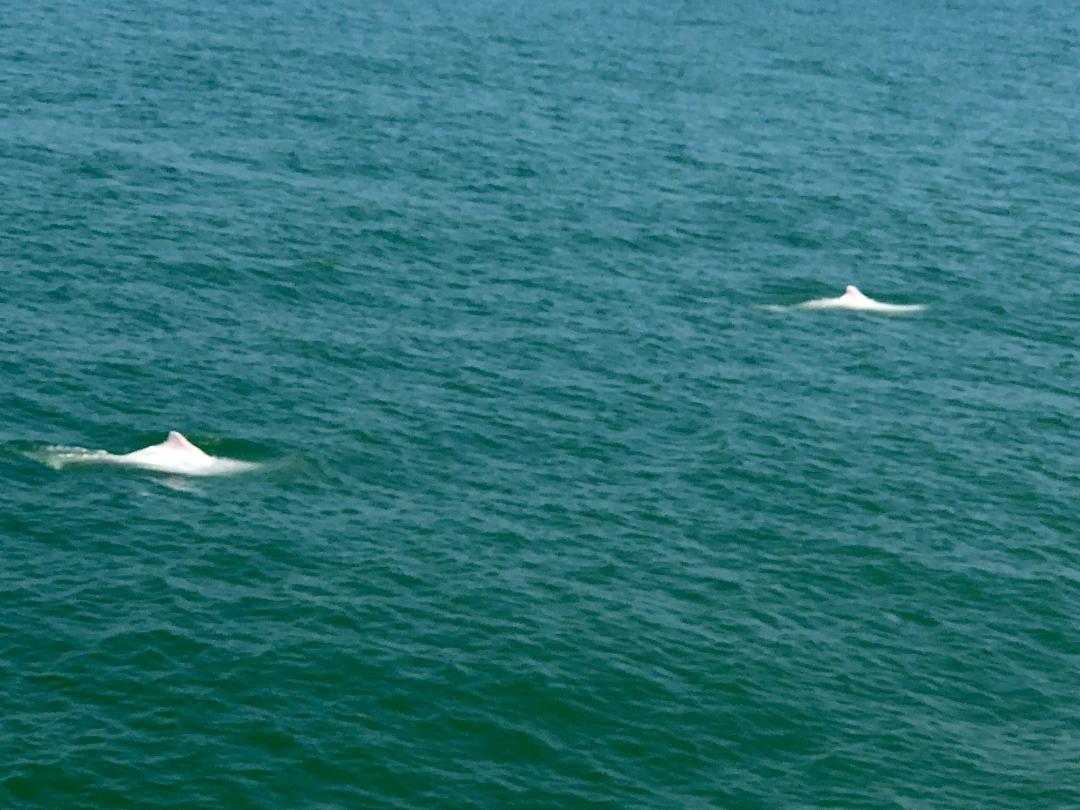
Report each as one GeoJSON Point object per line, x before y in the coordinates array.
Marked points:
{"type": "Point", "coordinates": [852, 290]}
{"type": "Point", "coordinates": [177, 441]}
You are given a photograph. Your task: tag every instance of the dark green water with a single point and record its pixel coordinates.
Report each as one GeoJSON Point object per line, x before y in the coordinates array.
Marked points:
{"type": "Point", "coordinates": [552, 512]}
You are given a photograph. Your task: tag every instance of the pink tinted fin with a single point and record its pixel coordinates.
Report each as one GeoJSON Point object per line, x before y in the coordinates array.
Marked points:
{"type": "Point", "coordinates": [852, 290]}
{"type": "Point", "coordinates": [178, 441]}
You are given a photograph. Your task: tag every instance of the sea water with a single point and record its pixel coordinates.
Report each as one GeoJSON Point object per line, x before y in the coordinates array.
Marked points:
{"type": "Point", "coordinates": [554, 513]}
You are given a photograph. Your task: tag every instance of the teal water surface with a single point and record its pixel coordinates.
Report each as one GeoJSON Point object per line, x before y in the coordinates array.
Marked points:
{"type": "Point", "coordinates": [552, 511]}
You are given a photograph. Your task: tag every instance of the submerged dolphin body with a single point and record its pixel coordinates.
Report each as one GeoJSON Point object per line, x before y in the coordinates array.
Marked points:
{"type": "Point", "coordinates": [174, 455]}
{"type": "Point", "coordinates": [855, 300]}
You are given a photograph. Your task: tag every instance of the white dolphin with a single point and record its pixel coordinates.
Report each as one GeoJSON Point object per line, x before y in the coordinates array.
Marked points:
{"type": "Point", "coordinates": [854, 299]}
{"type": "Point", "coordinates": [174, 455]}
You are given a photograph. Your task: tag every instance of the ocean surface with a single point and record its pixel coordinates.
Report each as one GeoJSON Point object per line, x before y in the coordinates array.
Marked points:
{"type": "Point", "coordinates": [553, 507]}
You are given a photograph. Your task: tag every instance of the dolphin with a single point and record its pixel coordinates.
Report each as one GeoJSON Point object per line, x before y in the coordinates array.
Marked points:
{"type": "Point", "coordinates": [174, 455]}
{"type": "Point", "coordinates": [854, 299]}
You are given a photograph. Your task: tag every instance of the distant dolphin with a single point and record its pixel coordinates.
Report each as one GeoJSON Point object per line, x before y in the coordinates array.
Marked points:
{"type": "Point", "coordinates": [853, 299]}
{"type": "Point", "coordinates": [174, 455]}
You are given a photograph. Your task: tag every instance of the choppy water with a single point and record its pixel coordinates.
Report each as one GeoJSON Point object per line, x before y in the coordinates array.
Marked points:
{"type": "Point", "coordinates": [553, 513]}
